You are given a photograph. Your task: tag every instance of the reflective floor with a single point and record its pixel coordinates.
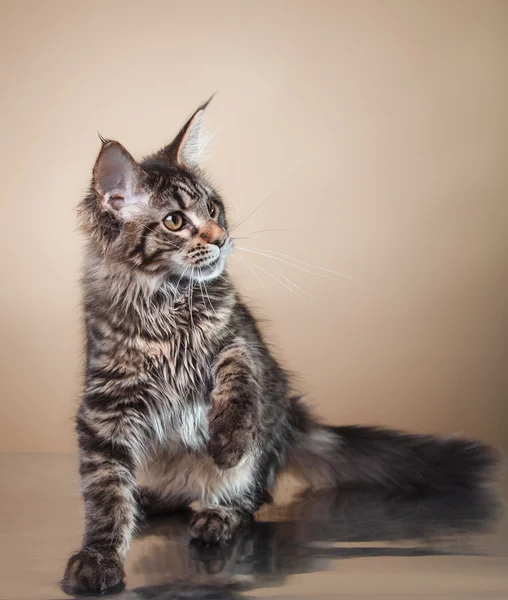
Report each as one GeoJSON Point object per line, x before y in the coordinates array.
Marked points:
{"type": "Point", "coordinates": [353, 544]}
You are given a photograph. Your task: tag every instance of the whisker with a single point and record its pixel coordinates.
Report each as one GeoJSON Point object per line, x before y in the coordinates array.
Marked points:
{"type": "Point", "coordinates": [257, 276]}
{"type": "Point", "coordinates": [273, 277]}
{"type": "Point", "coordinates": [235, 206]}
{"type": "Point", "coordinates": [201, 287]}
{"type": "Point", "coordinates": [181, 276]}
{"type": "Point", "coordinates": [268, 253]}
{"type": "Point", "coordinates": [291, 282]}
{"type": "Point", "coordinates": [290, 175]}
{"type": "Point", "coordinates": [191, 287]}
{"type": "Point", "coordinates": [204, 293]}
{"type": "Point", "coordinates": [252, 211]}
{"type": "Point", "coordinates": [223, 324]}
{"type": "Point", "coordinates": [265, 230]}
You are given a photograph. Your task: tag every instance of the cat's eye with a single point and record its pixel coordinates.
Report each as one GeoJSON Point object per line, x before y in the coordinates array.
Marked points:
{"type": "Point", "coordinates": [174, 221]}
{"type": "Point", "coordinates": [212, 208]}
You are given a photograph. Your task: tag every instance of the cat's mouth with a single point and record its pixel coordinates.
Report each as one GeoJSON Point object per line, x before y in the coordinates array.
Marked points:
{"type": "Point", "coordinates": [211, 265]}
{"type": "Point", "coordinates": [210, 270]}
{"type": "Point", "coordinates": [205, 264]}
{"type": "Point", "coordinates": [215, 255]}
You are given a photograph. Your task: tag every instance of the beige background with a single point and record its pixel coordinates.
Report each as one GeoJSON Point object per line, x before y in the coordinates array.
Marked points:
{"type": "Point", "coordinates": [378, 129]}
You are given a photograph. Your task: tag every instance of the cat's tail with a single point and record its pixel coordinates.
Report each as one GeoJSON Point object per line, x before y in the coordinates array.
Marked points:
{"type": "Point", "coordinates": [328, 456]}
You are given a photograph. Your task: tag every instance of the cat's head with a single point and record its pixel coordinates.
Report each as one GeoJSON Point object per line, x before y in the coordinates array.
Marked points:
{"type": "Point", "coordinates": [158, 216]}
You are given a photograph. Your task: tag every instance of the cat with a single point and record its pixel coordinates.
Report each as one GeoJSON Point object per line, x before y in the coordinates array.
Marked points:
{"type": "Point", "coordinates": [182, 393]}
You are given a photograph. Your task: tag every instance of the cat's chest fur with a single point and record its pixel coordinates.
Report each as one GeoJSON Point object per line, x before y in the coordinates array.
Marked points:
{"type": "Point", "coordinates": [177, 376]}
{"type": "Point", "coordinates": [154, 356]}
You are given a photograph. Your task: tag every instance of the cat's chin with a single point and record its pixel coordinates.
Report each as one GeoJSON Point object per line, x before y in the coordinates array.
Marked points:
{"type": "Point", "coordinates": [204, 273]}
{"type": "Point", "coordinates": [211, 271]}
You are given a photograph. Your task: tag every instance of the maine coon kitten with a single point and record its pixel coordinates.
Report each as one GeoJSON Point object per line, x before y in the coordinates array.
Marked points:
{"type": "Point", "coordinates": [180, 386]}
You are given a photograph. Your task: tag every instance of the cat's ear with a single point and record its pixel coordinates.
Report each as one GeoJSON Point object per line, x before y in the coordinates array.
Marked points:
{"type": "Point", "coordinates": [118, 180]}
{"type": "Point", "coordinates": [188, 146]}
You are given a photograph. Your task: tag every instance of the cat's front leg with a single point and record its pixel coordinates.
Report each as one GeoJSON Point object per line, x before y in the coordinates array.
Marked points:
{"type": "Point", "coordinates": [234, 420]}
{"type": "Point", "coordinates": [107, 463]}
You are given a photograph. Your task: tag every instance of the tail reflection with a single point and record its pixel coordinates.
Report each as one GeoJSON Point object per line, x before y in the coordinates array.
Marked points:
{"type": "Point", "coordinates": [304, 537]}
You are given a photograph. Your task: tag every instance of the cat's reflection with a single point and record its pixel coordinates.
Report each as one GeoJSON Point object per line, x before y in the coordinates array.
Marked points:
{"type": "Point", "coordinates": [304, 537]}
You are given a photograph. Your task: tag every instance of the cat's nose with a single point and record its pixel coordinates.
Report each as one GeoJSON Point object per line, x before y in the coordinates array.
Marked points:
{"type": "Point", "coordinates": [213, 233]}
{"type": "Point", "coordinates": [219, 241]}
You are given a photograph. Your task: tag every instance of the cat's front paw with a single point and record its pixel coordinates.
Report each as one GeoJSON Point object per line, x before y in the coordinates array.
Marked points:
{"type": "Point", "coordinates": [93, 572]}
{"type": "Point", "coordinates": [214, 525]}
{"type": "Point", "coordinates": [227, 447]}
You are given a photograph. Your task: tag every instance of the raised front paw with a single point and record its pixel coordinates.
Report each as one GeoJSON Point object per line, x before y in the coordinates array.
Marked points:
{"type": "Point", "coordinates": [93, 572]}
{"type": "Point", "coordinates": [227, 446]}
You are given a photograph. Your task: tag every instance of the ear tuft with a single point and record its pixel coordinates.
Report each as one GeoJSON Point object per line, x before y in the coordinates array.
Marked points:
{"type": "Point", "coordinates": [188, 146]}
{"type": "Point", "coordinates": [118, 179]}
{"type": "Point", "coordinates": [103, 140]}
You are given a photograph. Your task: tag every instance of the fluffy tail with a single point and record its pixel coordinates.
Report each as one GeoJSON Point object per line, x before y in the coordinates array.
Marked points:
{"type": "Point", "coordinates": [355, 455]}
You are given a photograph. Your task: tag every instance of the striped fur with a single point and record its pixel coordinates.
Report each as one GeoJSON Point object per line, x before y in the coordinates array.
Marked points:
{"type": "Point", "coordinates": [183, 400]}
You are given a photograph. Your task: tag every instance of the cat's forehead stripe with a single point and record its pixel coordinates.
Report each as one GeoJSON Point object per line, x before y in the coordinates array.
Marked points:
{"type": "Point", "coordinates": [187, 195]}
